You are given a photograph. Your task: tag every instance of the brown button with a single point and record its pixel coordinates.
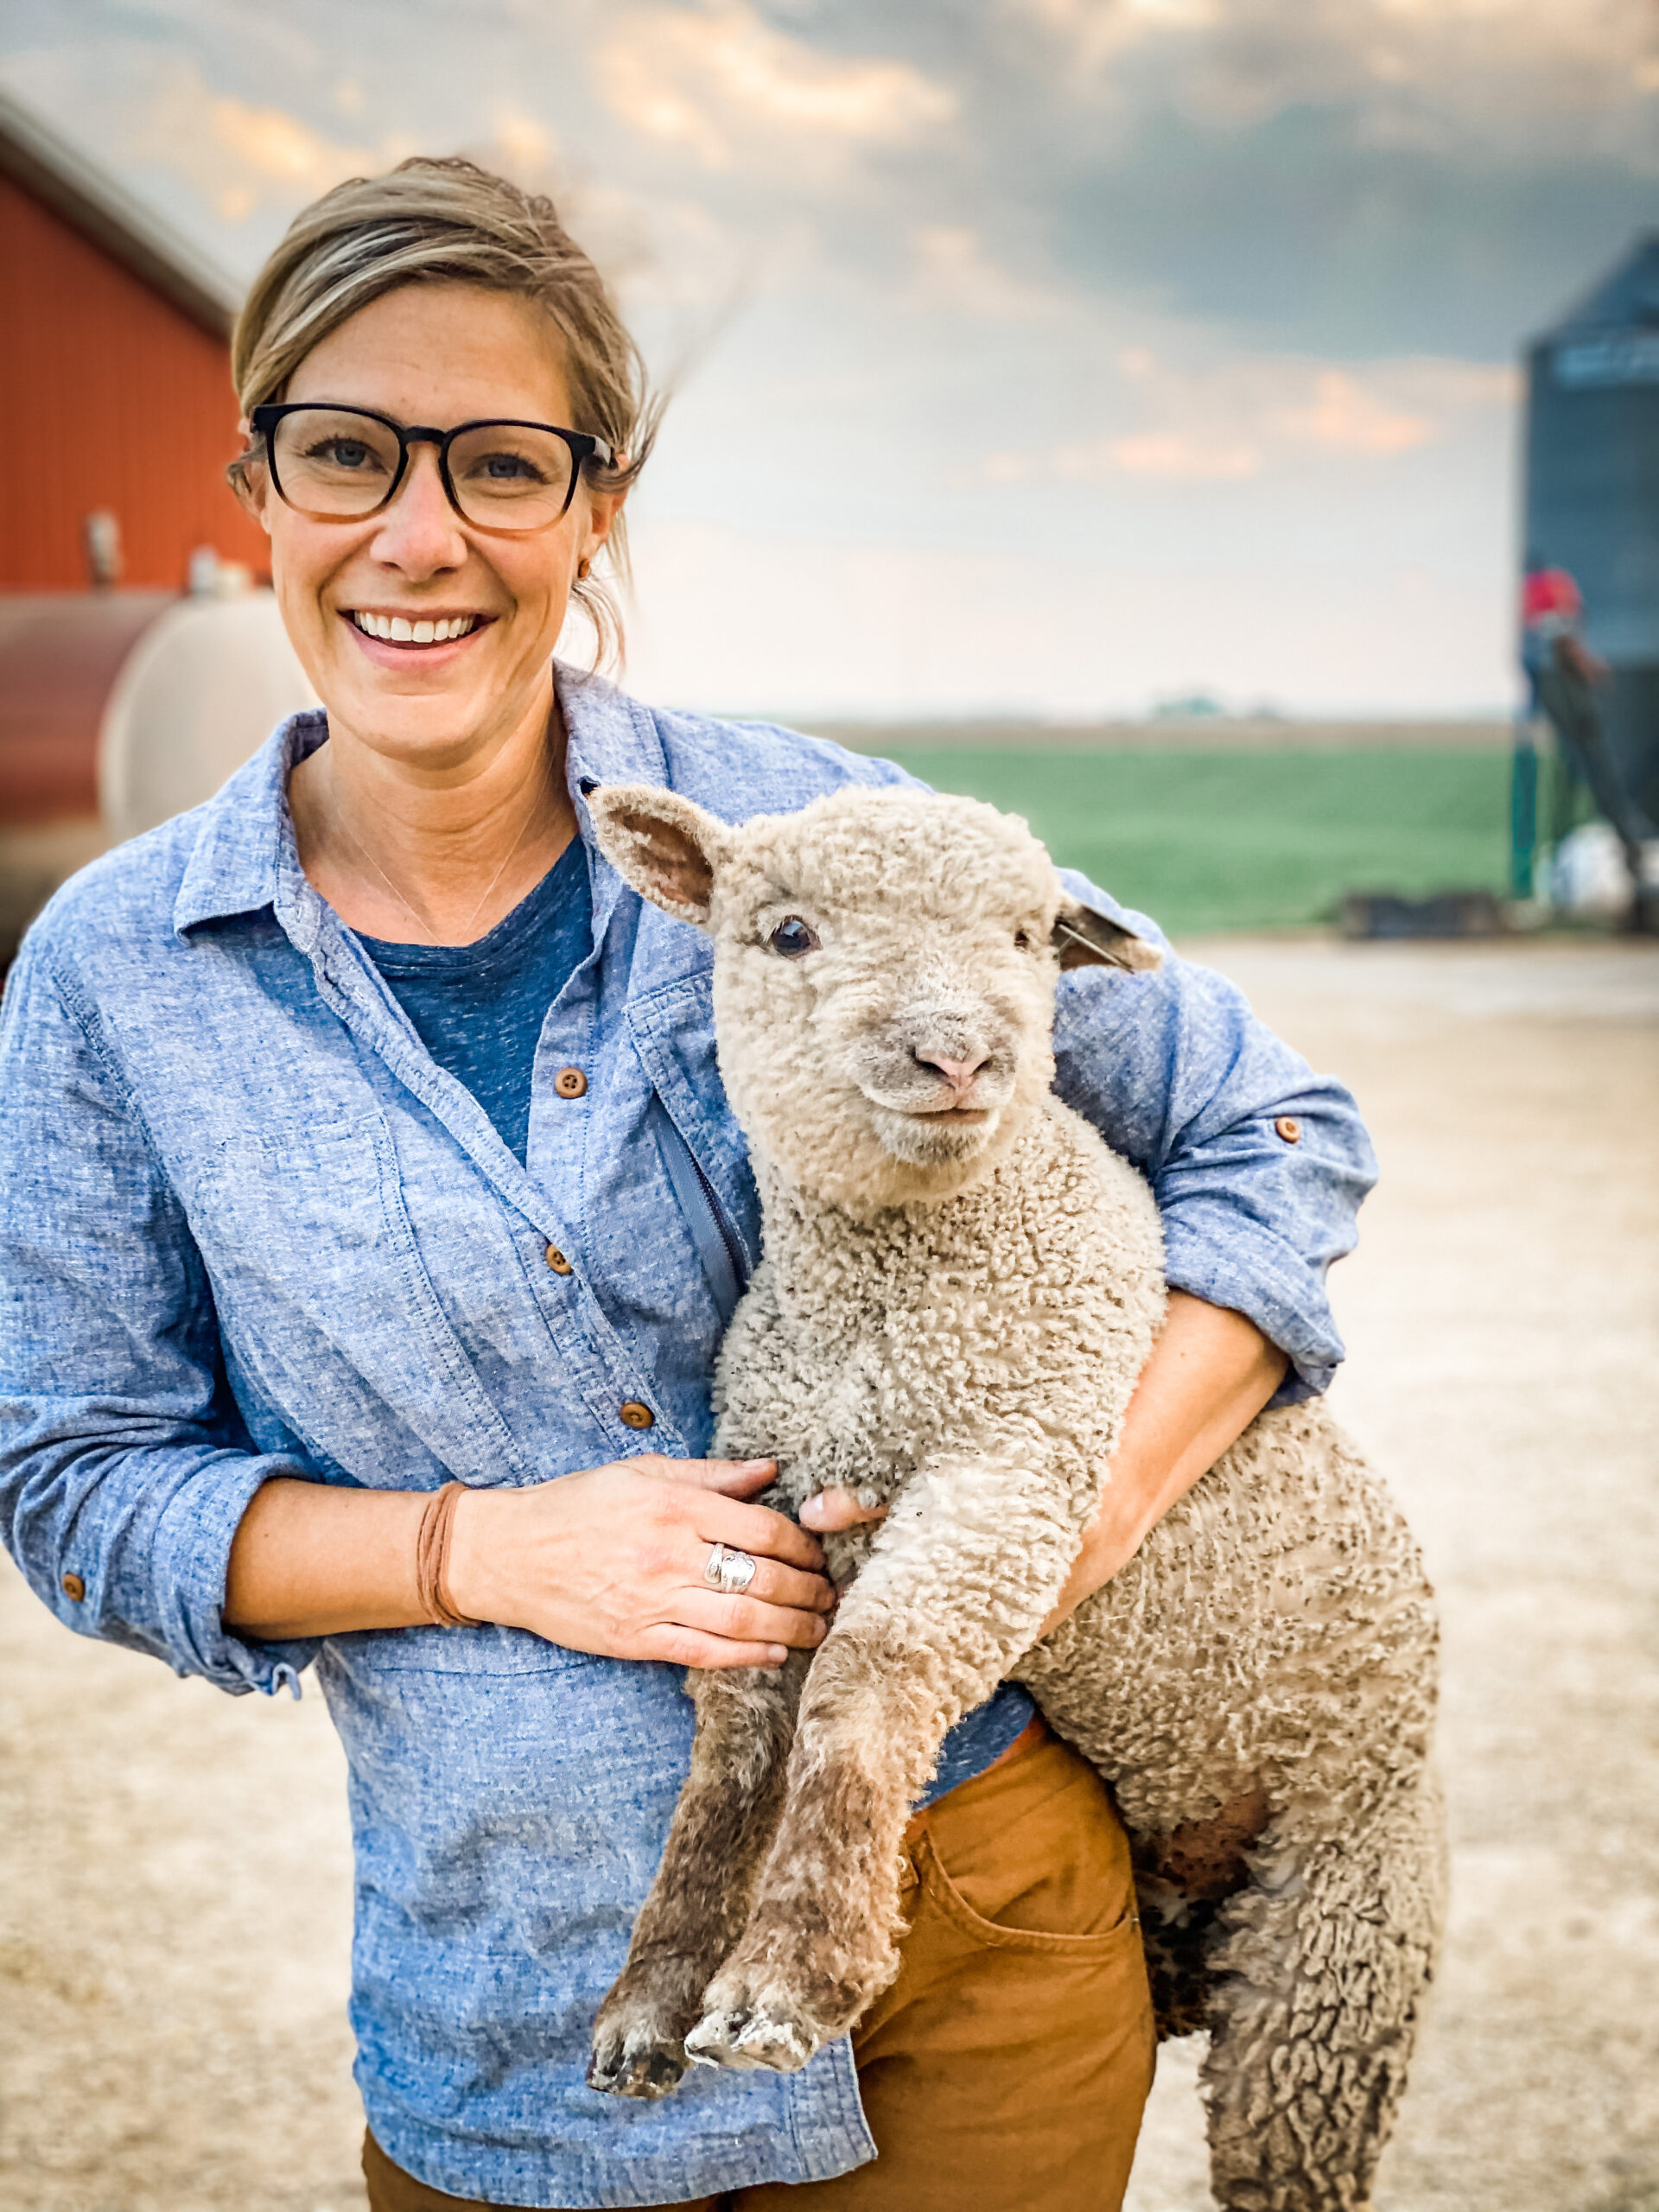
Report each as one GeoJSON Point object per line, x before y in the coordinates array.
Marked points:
{"type": "Point", "coordinates": [1289, 1128]}
{"type": "Point", "coordinates": [73, 1587]}
{"type": "Point", "coordinates": [570, 1083]}
{"type": "Point", "coordinates": [636, 1415]}
{"type": "Point", "coordinates": [557, 1260]}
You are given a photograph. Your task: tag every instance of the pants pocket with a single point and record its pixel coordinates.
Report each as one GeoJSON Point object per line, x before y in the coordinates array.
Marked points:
{"type": "Point", "coordinates": [1032, 1856]}
{"type": "Point", "coordinates": [1120, 1935]}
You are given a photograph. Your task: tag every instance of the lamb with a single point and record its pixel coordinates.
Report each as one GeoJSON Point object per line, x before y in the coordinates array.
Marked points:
{"type": "Point", "coordinates": [961, 1283]}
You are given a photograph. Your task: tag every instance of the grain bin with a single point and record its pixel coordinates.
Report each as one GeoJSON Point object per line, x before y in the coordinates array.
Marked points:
{"type": "Point", "coordinates": [1592, 497]}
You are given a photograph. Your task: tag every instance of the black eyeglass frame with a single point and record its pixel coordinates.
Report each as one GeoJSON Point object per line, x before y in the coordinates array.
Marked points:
{"type": "Point", "coordinates": [584, 447]}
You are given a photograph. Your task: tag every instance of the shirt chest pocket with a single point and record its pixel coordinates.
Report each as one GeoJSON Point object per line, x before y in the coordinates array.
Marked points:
{"type": "Point", "coordinates": [323, 1295]}
{"type": "Point", "coordinates": [673, 1033]}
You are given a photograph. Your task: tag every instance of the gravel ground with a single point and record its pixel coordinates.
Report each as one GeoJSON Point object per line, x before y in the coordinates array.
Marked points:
{"type": "Point", "coordinates": [174, 1890]}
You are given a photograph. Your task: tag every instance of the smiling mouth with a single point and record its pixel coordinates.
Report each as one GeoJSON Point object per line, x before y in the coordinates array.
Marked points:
{"type": "Point", "coordinates": [403, 630]}
{"type": "Point", "coordinates": [956, 1117]}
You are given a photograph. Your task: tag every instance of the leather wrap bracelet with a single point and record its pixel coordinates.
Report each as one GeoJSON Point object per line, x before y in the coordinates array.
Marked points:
{"type": "Point", "coordinates": [432, 1558]}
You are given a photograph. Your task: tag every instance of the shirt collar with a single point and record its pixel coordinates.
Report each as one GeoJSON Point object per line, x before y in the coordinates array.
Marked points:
{"type": "Point", "coordinates": [609, 739]}
{"type": "Point", "coordinates": [236, 863]}
{"type": "Point", "coordinates": [244, 847]}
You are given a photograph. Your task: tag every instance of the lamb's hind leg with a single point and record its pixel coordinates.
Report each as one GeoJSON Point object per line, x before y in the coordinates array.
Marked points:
{"type": "Point", "coordinates": [1320, 1983]}
{"type": "Point", "coordinates": [700, 1899]}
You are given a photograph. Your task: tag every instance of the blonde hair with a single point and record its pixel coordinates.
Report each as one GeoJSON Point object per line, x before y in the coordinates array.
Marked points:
{"type": "Point", "coordinates": [450, 221]}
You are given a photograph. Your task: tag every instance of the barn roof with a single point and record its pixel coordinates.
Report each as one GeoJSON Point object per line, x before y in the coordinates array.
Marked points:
{"type": "Point", "coordinates": [34, 155]}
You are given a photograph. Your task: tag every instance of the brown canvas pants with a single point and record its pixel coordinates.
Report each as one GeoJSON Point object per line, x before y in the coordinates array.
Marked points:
{"type": "Point", "coordinates": [1008, 2065]}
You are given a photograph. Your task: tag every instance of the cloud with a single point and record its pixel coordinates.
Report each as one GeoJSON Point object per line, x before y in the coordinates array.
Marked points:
{"type": "Point", "coordinates": [716, 79]}
{"type": "Point", "coordinates": [1347, 176]}
{"type": "Point", "coordinates": [1183, 456]}
{"type": "Point", "coordinates": [1344, 417]}
{"type": "Point", "coordinates": [1243, 418]}
{"type": "Point", "coordinates": [1496, 71]}
{"type": "Point", "coordinates": [951, 269]}
{"type": "Point", "coordinates": [238, 157]}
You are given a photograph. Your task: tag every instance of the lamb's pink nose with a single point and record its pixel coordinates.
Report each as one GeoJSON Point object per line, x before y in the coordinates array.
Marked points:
{"type": "Point", "coordinates": [959, 1074]}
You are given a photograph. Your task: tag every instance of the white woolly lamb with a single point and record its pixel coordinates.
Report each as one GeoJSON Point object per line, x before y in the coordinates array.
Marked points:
{"type": "Point", "coordinates": [960, 1286]}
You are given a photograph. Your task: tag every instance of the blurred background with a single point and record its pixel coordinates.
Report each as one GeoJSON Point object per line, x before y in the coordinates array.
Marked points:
{"type": "Point", "coordinates": [1146, 407]}
{"type": "Point", "coordinates": [1225, 431]}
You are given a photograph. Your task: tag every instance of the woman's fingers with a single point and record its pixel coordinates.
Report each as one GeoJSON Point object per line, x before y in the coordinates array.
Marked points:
{"type": "Point", "coordinates": [675, 1646]}
{"type": "Point", "coordinates": [773, 1584]}
{"type": "Point", "coordinates": [750, 1620]}
{"type": "Point", "coordinates": [837, 1508]}
{"type": "Point", "coordinates": [758, 1529]}
{"type": "Point", "coordinates": [734, 1477]}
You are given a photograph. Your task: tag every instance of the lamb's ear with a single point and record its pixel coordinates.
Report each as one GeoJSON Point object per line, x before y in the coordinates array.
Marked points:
{"type": "Point", "coordinates": [1084, 937]}
{"type": "Point", "coordinates": [662, 845]}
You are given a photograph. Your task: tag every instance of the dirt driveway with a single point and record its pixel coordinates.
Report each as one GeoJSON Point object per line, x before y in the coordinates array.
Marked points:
{"type": "Point", "coordinates": [173, 1881]}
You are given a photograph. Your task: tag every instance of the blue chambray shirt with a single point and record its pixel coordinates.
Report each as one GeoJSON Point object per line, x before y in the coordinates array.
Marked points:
{"type": "Point", "coordinates": [250, 1228]}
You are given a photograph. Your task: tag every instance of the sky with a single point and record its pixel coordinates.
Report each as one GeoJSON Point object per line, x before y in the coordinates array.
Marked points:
{"type": "Point", "coordinates": [1038, 357]}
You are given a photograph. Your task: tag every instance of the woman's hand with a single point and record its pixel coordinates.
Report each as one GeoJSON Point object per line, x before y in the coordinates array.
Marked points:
{"type": "Point", "coordinates": [611, 1562]}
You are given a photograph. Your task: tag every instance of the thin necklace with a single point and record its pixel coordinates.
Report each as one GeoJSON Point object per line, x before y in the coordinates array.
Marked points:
{"type": "Point", "coordinates": [414, 912]}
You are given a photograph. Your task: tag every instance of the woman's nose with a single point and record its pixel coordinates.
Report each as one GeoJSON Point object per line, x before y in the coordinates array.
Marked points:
{"type": "Point", "coordinates": [420, 530]}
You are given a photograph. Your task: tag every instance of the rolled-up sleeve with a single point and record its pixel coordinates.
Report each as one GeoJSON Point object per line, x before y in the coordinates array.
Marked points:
{"type": "Point", "coordinates": [1258, 1165]}
{"type": "Point", "coordinates": [124, 1469]}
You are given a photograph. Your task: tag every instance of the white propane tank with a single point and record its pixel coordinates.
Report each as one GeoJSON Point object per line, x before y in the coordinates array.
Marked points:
{"type": "Point", "coordinates": [200, 693]}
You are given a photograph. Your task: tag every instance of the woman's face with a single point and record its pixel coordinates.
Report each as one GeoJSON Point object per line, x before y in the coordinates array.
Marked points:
{"type": "Point", "coordinates": [438, 354]}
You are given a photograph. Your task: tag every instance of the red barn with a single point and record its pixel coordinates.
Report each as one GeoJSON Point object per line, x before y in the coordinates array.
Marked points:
{"type": "Point", "coordinates": [115, 381]}
{"type": "Point", "coordinates": [133, 675]}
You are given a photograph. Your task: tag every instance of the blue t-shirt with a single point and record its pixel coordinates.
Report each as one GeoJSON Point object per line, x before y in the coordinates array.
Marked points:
{"type": "Point", "coordinates": [479, 1010]}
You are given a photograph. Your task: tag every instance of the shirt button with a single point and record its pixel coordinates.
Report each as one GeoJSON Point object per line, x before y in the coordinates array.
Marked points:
{"type": "Point", "coordinates": [73, 1587]}
{"type": "Point", "coordinates": [557, 1260]}
{"type": "Point", "coordinates": [636, 1415]}
{"type": "Point", "coordinates": [570, 1083]}
{"type": "Point", "coordinates": [1289, 1128]}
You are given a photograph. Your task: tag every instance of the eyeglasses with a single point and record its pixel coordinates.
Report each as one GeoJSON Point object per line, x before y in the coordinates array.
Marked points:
{"type": "Point", "coordinates": [342, 464]}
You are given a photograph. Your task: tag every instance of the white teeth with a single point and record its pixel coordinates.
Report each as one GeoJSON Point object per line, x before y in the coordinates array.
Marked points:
{"type": "Point", "coordinates": [397, 629]}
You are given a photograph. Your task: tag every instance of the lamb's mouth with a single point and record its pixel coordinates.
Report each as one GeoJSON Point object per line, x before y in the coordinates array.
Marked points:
{"type": "Point", "coordinates": [932, 1139]}
{"type": "Point", "coordinates": [952, 1117]}
{"type": "Point", "coordinates": [410, 630]}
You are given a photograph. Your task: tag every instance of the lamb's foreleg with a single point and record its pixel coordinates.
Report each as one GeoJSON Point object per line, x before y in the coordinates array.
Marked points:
{"type": "Point", "coordinates": [960, 1581]}
{"type": "Point", "coordinates": [1320, 1983]}
{"type": "Point", "coordinates": [700, 1899]}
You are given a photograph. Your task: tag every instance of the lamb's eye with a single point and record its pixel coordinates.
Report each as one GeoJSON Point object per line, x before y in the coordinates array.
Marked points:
{"type": "Point", "coordinates": [1022, 940]}
{"type": "Point", "coordinates": [793, 938]}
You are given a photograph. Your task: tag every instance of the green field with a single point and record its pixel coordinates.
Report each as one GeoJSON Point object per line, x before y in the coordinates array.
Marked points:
{"type": "Point", "coordinates": [1250, 839]}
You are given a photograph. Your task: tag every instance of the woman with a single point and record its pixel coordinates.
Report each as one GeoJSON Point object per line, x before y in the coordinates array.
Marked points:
{"type": "Point", "coordinates": [364, 1136]}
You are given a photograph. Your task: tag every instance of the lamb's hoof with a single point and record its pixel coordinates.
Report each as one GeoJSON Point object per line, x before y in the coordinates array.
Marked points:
{"type": "Point", "coordinates": [753, 2036]}
{"type": "Point", "coordinates": [636, 2064]}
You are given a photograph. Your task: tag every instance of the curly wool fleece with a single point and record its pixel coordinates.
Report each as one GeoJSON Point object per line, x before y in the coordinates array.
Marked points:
{"type": "Point", "coordinates": [961, 1285]}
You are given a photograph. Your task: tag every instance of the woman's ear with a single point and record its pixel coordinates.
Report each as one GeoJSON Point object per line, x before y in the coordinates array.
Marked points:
{"type": "Point", "coordinates": [1084, 937]}
{"type": "Point", "coordinates": [603, 508]}
{"type": "Point", "coordinates": [249, 479]}
{"type": "Point", "coordinates": [667, 848]}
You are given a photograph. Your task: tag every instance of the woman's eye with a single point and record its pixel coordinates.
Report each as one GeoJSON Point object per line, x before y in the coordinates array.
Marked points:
{"type": "Point", "coordinates": [793, 938]}
{"type": "Point", "coordinates": [349, 453]}
{"type": "Point", "coordinates": [506, 468]}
